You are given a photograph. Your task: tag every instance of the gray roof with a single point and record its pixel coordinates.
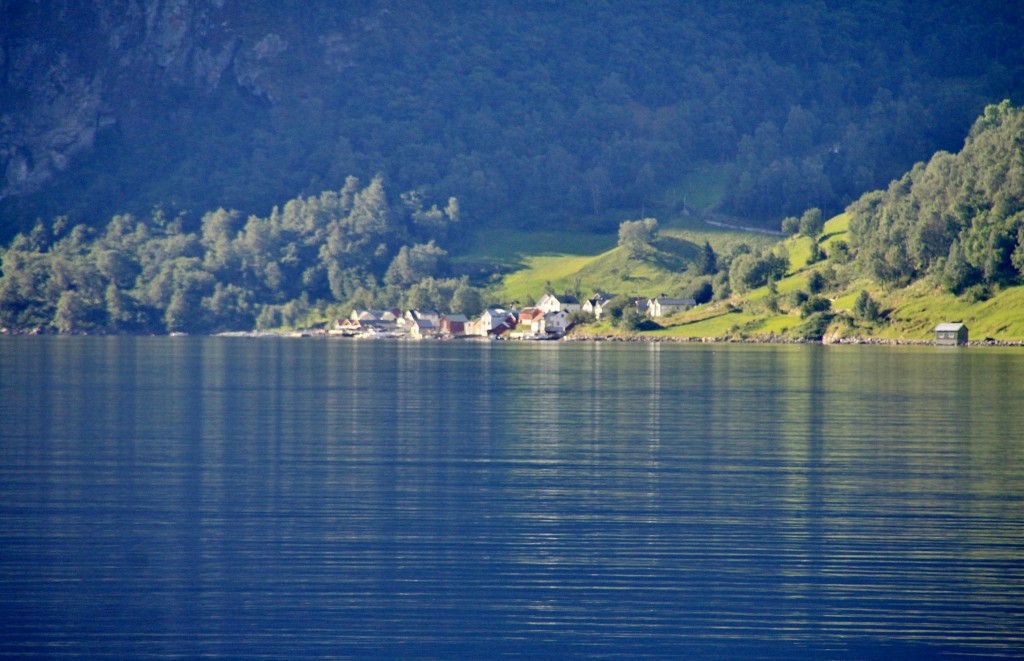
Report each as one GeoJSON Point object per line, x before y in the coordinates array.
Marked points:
{"type": "Point", "coordinates": [949, 327]}
{"type": "Point", "coordinates": [565, 299]}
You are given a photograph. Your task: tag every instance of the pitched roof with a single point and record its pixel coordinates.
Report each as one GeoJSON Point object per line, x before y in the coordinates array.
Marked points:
{"type": "Point", "coordinates": [955, 326]}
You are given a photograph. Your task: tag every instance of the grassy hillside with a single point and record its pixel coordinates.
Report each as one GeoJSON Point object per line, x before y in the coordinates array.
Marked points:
{"type": "Point", "coordinates": [569, 260]}
{"type": "Point", "coordinates": [917, 309]}
{"type": "Point", "coordinates": [908, 314]}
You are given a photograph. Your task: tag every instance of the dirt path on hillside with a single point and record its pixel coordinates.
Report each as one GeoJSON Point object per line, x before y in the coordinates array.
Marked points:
{"type": "Point", "coordinates": [733, 223]}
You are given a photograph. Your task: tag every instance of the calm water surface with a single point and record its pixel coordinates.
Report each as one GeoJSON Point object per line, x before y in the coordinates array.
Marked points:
{"type": "Point", "coordinates": [293, 499]}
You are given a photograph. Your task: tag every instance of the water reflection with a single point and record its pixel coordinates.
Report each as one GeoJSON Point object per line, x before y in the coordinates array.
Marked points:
{"type": "Point", "coordinates": [259, 497]}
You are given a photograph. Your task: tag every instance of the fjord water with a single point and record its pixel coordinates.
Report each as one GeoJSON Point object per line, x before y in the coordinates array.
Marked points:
{"type": "Point", "coordinates": [326, 498]}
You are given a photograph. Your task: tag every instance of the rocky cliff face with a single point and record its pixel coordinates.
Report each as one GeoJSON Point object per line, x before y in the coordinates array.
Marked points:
{"type": "Point", "coordinates": [68, 71]}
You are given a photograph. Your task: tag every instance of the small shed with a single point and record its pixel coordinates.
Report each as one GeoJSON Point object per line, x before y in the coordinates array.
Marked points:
{"type": "Point", "coordinates": [951, 334]}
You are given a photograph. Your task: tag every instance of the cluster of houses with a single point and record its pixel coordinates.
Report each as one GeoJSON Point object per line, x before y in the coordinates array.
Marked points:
{"type": "Point", "coordinates": [549, 318]}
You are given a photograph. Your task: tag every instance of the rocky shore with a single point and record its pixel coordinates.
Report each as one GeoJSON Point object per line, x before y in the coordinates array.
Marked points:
{"type": "Point", "coordinates": [578, 336]}
{"type": "Point", "coordinates": [781, 339]}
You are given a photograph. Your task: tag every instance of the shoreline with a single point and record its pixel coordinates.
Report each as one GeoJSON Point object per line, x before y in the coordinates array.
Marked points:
{"type": "Point", "coordinates": [781, 339]}
{"type": "Point", "coordinates": [575, 337]}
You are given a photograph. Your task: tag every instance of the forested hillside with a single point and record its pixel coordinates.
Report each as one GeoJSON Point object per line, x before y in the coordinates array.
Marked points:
{"type": "Point", "coordinates": [529, 112]}
{"type": "Point", "coordinates": [153, 275]}
{"type": "Point", "coordinates": [957, 223]}
{"type": "Point", "coordinates": [959, 218]}
{"type": "Point", "coordinates": [945, 242]}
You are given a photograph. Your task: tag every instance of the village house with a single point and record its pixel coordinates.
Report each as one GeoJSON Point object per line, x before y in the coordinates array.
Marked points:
{"type": "Point", "coordinates": [534, 322]}
{"type": "Point", "coordinates": [951, 334]}
{"type": "Point", "coordinates": [529, 315]}
{"type": "Point", "coordinates": [371, 316]}
{"type": "Point", "coordinates": [663, 306]}
{"type": "Point", "coordinates": [420, 329]}
{"type": "Point", "coordinates": [348, 326]}
{"type": "Point", "coordinates": [556, 303]}
{"type": "Point", "coordinates": [453, 324]}
{"type": "Point", "coordinates": [412, 316]}
{"type": "Point", "coordinates": [361, 321]}
{"type": "Point", "coordinates": [595, 305]}
{"type": "Point", "coordinates": [495, 322]}
{"type": "Point", "coordinates": [552, 323]}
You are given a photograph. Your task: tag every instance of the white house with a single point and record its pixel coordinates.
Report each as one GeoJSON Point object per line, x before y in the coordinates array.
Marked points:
{"type": "Point", "coordinates": [663, 306]}
{"type": "Point", "coordinates": [552, 323]}
{"type": "Point", "coordinates": [595, 305]}
{"type": "Point", "coordinates": [492, 319]}
{"type": "Point", "coordinates": [555, 303]}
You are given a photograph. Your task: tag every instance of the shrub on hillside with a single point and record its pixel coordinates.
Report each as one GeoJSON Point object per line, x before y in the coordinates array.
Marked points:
{"type": "Point", "coordinates": [814, 305]}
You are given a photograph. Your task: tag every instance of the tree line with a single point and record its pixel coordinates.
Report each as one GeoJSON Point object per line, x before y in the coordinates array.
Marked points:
{"type": "Point", "coordinates": [957, 219]}
{"type": "Point", "coordinates": [313, 256]}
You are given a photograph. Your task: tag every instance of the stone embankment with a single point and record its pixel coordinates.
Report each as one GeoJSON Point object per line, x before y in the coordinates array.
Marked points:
{"type": "Point", "coordinates": [760, 339]}
{"type": "Point", "coordinates": [781, 339]}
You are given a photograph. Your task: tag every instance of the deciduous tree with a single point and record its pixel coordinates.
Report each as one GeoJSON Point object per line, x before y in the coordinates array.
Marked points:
{"type": "Point", "coordinates": [636, 236]}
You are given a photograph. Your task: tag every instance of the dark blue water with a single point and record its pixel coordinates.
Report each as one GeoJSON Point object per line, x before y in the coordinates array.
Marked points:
{"type": "Point", "coordinates": [315, 498]}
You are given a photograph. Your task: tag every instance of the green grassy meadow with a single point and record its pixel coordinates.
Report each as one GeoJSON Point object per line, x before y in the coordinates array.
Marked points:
{"type": "Point", "coordinates": [595, 263]}
{"type": "Point", "coordinates": [570, 261]}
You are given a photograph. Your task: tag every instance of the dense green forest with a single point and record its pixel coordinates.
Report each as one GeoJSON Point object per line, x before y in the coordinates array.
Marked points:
{"type": "Point", "coordinates": [530, 113]}
{"type": "Point", "coordinates": [142, 275]}
{"type": "Point", "coordinates": [958, 220]}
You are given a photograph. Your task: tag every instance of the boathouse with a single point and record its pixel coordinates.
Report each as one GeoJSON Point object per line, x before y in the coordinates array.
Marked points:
{"type": "Point", "coordinates": [951, 334]}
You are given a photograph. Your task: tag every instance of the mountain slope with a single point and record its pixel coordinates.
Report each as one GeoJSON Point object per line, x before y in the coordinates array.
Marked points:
{"type": "Point", "coordinates": [959, 217]}
{"type": "Point", "coordinates": [529, 112]}
{"type": "Point", "coordinates": [943, 243]}
{"type": "Point", "coordinates": [319, 256]}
